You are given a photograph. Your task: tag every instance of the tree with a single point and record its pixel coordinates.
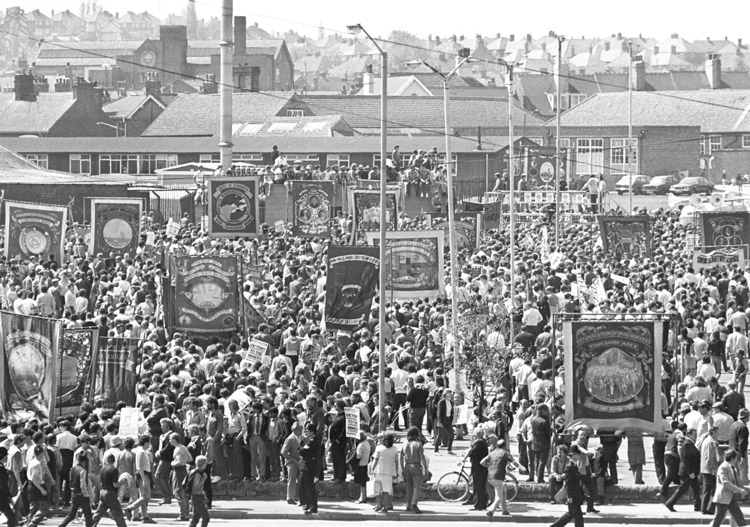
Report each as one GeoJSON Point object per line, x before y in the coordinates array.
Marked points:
{"type": "Point", "coordinates": [89, 8]}
{"type": "Point", "coordinates": [399, 50]}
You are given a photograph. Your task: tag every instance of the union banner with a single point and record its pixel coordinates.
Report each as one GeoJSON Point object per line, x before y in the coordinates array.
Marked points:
{"type": "Point", "coordinates": [115, 225]}
{"type": "Point", "coordinates": [414, 262]}
{"type": "Point", "coordinates": [206, 298]}
{"type": "Point", "coordinates": [352, 279]}
{"type": "Point", "coordinates": [366, 209]}
{"type": "Point", "coordinates": [626, 236]}
{"type": "Point", "coordinates": [731, 228]}
{"type": "Point", "coordinates": [28, 365]}
{"type": "Point", "coordinates": [233, 206]}
{"type": "Point", "coordinates": [312, 208]}
{"type": "Point", "coordinates": [35, 230]}
{"type": "Point", "coordinates": [466, 225]}
{"type": "Point", "coordinates": [116, 371]}
{"type": "Point", "coordinates": [613, 374]}
{"type": "Point", "coordinates": [78, 356]}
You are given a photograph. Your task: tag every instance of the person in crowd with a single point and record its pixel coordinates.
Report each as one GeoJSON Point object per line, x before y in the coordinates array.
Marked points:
{"type": "Point", "coordinates": [290, 453]}
{"type": "Point", "coordinates": [690, 462]}
{"type": "Point", "coordinates": [195, 486]}
{"type": "Point", "coordinates": [496, 463]}
{"type": "Point", "coordinates": [308, 469]}
{"type": "Point", "coordinates": [385, 468]}
{"type": "Point", "coordinates": [108, 501]}
{"type": "Point", "coordinates": [414, 468]}
{"type": "Point", "coordinates": [728, 489]}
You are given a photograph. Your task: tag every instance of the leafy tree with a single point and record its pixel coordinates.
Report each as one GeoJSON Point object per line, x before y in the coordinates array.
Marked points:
{"type": "Point", "coordinates": [399, 55]}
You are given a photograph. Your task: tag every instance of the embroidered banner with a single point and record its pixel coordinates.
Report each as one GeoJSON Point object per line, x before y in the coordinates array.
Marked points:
{"type": "Point", "coordinates": [312, 208]}
{"type": "Point", "coordinates": [206, 297]}
{"type": "Point", "coordinates": [726, 228]}
{"type": "Point", "coordinates": [233, 206]}
{"type": "Point", "coordinates": [723, 258]}
{"type": "Point", "coordinates": [414, 262]}
{"type": "Point", "coordinates": [352, 279]}
{"type": "Point", "coordinates": [78, 355]}
{"type": "Point", "coordinates": [116, 371]}
{"type": "Point", "coordinates": [35, 230]}
{"type": "Point", "coordinates": [366, 209]}
{"type": "Point", "coordinates": [613, 374]}
{"type": "Point", "coordinates": [115, 225]}
{"type": "Point", "coordinates": [28, 366]}
{"type": "Point", "coordinates": [466, 226]}
{"type": "Point", "coordinates": [626, 235]}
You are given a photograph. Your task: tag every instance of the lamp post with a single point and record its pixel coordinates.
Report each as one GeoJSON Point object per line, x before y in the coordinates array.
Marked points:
{"type": "Point", "coordinates": [630, 126]}
{"type": "Point", "coordinates": [464, 55]}
{"type": "Point", "coordinates": [558, 199]}
{"type": "Point", "coordinates": [356, 29]}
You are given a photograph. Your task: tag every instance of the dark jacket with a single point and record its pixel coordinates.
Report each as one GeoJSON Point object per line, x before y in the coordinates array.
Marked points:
{"type": "Point", "coordinates": [476, 454]}
{"type": "Point", "coordinates": [690, 459]}
{"type": "Point", "coordinates": [738, 438]}
{"type": "Point", "coordinates": [309, 453]}
{"type": "Point", "coordinates": [337, 431]}
{"type": "Point", "coordinates": [443, 417]}
{"type": "Point", "coordinates": [573, 483]}
{"type": "Point", "coordinates": [263, 425]}
{"type": "Point", "coordinates": [541, 430]}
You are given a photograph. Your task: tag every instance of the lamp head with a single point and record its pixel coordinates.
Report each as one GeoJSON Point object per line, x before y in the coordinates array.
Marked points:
{"type": "Point", "coordinates": [355, 29]}
{"type": "Point", "coordinates": [413, 63]}
{"type": "Point", "coordinates": [464, 53]}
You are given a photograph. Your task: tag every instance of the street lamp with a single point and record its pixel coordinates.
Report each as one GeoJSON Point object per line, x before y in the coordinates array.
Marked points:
{"type": "Point", "coordinates": [117, 128]}
{"type": "Point", "coordinates": [355, 29]}
{"type": "Point", "coordinates": [465, 56]}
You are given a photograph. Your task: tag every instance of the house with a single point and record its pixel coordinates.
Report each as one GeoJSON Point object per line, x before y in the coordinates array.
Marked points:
{"type": "Point", "coordinates": [700, 131]}
{"type": "Point", "coordinates": [400, 85]}
{"type": "Point", "coordinates": [198, 114]}
{"type": "Point", "coordinates": [68, 111]}
{"type": "Point", "coordinates": [134, 113]}
{"type": "Point", "coordinates": [67, 23]}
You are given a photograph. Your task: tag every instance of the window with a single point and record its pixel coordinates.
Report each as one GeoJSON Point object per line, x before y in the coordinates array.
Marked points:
{"type": "Point", "coordinates": [247, 129]}
{"type": "Point", "coordinates": [41, 160]}
{"type": "Point", "coordinates": [295, 113]}
{"type": "Point", "coordinates": [210, 158]}
{"type": "Point", "coordinates": [282, 127]}
{"type": "Point", "coordinates": [338, 160]}
{"type": "Point", "coordinates": [376, 159]}
{"type": "Point", "coordinates": [702, 143]}
{"type": "Point", "coordinates": [310, 158]}
{"type": "Point", "coordinates": [576, 98]}
{"type": "Point", "coordinates": [316, 126]}
{"type": "Point", "coordinates": [619, 154]}
{"type": "Point", "coordinates": [714, 143]}
{"type": "Point", "coordinates": [745, 140]}
{"type": "Point", "coordinates": [589, 156]}
{"type": "Point", "coordinates": [150, 163]}
{"type": "Point", "coordinates": [248, 158]}
{"type": "Point", "coordinates": [80, 163]}
{"type": "Point", "coordinates": [119, 164]}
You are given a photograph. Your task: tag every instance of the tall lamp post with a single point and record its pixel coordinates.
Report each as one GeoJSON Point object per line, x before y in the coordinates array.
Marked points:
{"type": "Point", "coordinates": [355, 29]}
{"type": "Point", "coordinates": [464, 55]}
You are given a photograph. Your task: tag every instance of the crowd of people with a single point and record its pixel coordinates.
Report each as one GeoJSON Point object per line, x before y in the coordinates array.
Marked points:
{"type": "Point", "coordinates": [208, 411]}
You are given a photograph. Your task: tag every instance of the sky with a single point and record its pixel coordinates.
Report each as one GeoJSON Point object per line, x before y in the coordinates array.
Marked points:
{"type": "Point", "coordinates": [590, 18]}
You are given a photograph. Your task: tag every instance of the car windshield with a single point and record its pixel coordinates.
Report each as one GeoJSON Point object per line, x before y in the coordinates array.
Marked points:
{"type": "Point", "coordinates": [692, 180]}
{"type": "Point", "coordinates": [659, 179]}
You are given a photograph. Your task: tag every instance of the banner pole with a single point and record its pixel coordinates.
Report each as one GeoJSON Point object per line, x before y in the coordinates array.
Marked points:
{"type": "Point", "coordinates": [241, 296]}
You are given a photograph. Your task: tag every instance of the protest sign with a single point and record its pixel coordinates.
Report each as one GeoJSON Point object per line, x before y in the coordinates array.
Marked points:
{"type": "Point", "coordinates": [129, 417]}
{"type": "Point", "coordinates": [352, 422]}
{"type": "Point", "coordinates": [257, 350]}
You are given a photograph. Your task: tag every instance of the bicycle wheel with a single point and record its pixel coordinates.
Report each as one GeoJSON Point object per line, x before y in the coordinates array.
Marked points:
{"type": "Point", "coordinates": [453, 486]}
{"type": "Point", "coordinates": [511, 487]}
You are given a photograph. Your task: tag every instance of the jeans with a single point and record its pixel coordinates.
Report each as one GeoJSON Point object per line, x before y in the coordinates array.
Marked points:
{"type": "Point", "coordinates": [67, 464]}
{"type": "Point", "coordinates": [413, 481]}
{"type": "Point", "coordinates": [338, 458]}
{"type": "Point", "coordinates": [307, 492]}
{"type": "Point", "coordinates": [444, 436]}
{"type": "Point", "coordinates": [179, 474]}
{"type": "Point", "coordinates": [734, 511]}
{"type": "Point", "coordinates": [688, 483]}
{"type": "Point", "coordinates": [672, 464]}
{"type": "Point", "coordinates": [416, 417]}
{"type": "Point", "coordinates": [574, 513]}
{"type": "Point", "coordinates": [200, 512]}
{"type": "Point", "coordinates": [109, 503]}
{"type": "Point", "coordinates": [144, 495]}
{"type": "Point", "coordinates": [162, 481]}
{"type": "Point", "coordinates": [540, 463]}
{"type": "Point", "coordinates": [658, 449]}
{"type": "Point", "coordinates": [79, 502]}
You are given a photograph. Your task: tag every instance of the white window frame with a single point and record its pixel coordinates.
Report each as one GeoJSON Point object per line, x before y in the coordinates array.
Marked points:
{"type": "Point", "coordinates": [303, 158]}
{"type": "Point", "coordinates": [150, 163]}
{"type": "Point", "coordinates": [589, 156]}
{"type": "Point", "coordinates": [619, 153]}
{"type": "Point", "coordinates": [338, 160]}
{"type": "Point", "coordinates": [295, 112]}
{"type": "Point", "coordinates": [209, 158]}
{"type": "Point", "coordinates": [745, 140]}
{"type": "Point", "coordinates": [40, 160]}
{"type": "Point", "coordinates": [256, 159]}
{"type": "Point", "coordinates": [79, 164]}
{"type": "Point", "coordinates": [712, 143]}
{"type": "Point", "coordinates": [376, 159]}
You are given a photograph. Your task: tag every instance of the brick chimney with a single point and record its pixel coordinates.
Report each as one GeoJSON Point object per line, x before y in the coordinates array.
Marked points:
{"type": "Point", "coordinates": [639, 75]}
{"type": "Point", "coordinates": [41, 85]}
{"type": "Point", "coordinates": [209, 84]}
{"type": "Point", "coordinates": [62, 85]}
{"type": "Point", "coordinates": [713, 71]}
{"type": "Point", "coordinates": [240, 35]}
{"type": "Point", "coordinates": [23, 87]}
{"type": "Point", "coordinates": [368, 81]}
{"type": "Point", "coordinates": [152, 84]}
{"type": "Point", "coordinates": [87, 92]}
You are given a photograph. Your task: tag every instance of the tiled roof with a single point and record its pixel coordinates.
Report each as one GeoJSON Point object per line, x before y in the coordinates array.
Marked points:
{"type": "Point", "coordinates": [198, 114]}
{"type": "Point", "coordinates": [363, 111]}
{"type": "Point", "coordinates": [315, 126]}
{"type": "Point", "coordinates": [714, 111]}
{"type": "Point", "coordinates": [202, 48]}
{"type": "Point", "coordinates": [125, 106]}
{"type": "Point", "coordinates": [108, 48]}
{"type": "Point", "coordinates": [250, 144]}
{"type": "Point", "coordinates": [21, 117]}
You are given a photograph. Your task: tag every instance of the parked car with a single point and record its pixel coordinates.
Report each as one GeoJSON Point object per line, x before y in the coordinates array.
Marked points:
{"type": "Point", "coordinates": [692, 185]}
{"type": "Point", "coordinates": [660, 185]}
{"type": "Point", "coordinates": [639, 180]}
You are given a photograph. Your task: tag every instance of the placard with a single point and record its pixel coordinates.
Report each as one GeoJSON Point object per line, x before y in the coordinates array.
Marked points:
{"type": "Point", "coordinates": [129, 422]}
{"type": "Point", "coordinates": [352, 422]}
{"type": "Point", "coordinates": [257, 350]}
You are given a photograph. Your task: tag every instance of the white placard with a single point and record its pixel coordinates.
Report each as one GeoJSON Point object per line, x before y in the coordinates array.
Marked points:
{"type": "Point", "coordinates": [620, 279]}
{"type": "Point", "coordinates": [129, 418]}
{"type": "Point", "coordinates": [462, 414]}
{"type": "Point", "coordinates": [352, 422]}
{"type": "Point", "coordinates": [256, 350]}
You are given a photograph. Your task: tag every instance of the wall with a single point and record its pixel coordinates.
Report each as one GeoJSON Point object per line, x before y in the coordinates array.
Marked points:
{"type": "Point", "coordinates": [143, 118]}
{"type": "Point", "coordinates": [733, 161]}
{"type": "Point", "coordinates": [80, 121]}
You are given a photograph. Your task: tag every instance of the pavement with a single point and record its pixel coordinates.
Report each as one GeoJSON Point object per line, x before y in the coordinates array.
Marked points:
{"type": "Point", "coordinates": [433, 511]}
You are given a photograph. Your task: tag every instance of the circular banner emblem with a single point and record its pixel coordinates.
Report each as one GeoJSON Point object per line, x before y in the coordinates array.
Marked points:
{"type": "Point", "coordinates": [234, 206]}
{"type": "Point", "coordinates": [117, 233]}
{"type": "Point", "coordinates": [34, 241]}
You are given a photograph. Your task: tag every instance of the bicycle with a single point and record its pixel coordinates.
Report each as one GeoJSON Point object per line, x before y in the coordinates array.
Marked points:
{"type": "Point", "coordinates": [455, 486]}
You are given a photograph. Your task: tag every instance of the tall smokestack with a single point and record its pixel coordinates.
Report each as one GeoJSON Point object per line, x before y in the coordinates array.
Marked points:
{"type": "Point", "coordinates": [240, 35]}
{"type": "Point", "coordinates": [225, 97]}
